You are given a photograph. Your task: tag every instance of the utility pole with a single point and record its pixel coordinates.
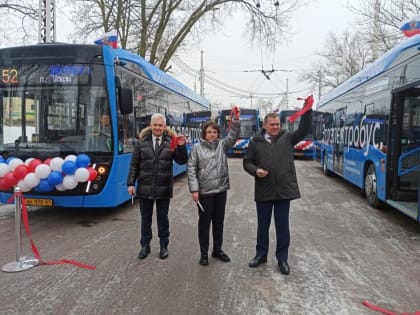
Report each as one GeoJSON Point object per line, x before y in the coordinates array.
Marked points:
{"type": "Point", "coordinates": [319, 84]}
{"type": "Point", "coordinates": [376, 28]}
{"type": "Point", "coordinates": [286, 95]}
{"type": "Point", "coordinates": [202, 75]}
{"type": "Point", "coordinates": [46, 22]}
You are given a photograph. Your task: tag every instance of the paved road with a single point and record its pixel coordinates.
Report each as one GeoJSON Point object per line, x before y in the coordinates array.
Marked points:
{"type": "Point", "coordinates": [342, 252]}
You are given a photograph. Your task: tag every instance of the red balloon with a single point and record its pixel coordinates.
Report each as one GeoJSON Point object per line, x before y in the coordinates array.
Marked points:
{"type": "Point", "coordinates": [33, 164]}
{"type": "Point", "coordinates": [47, 161]}
{"type": "Point", "coordinates": [92, 173]}
{"type": "Point", "coordinates": [21, 171]}
{"type": "Point", "coordinates": [10, 180]}
{"type": "Point", "coordinates": [3, 185]}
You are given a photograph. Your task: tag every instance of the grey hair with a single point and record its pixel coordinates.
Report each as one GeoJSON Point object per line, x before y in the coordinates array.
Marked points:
{"type": "Point", "coordinates": [158, 116]}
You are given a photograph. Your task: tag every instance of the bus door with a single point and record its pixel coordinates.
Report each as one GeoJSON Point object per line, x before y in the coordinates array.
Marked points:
{"type": "Point", "coordinates": [404, 149]}
{"type": "Point", "coordinates": [338, 147]}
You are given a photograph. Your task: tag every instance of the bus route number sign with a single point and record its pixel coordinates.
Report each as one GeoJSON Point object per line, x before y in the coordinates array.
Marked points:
{"type": "Point", "coordinates": [9, 76]}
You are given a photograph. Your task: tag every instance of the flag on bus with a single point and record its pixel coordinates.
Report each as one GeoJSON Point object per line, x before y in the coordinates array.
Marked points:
{"type": "Point", "coordinates": [411, 27]}
{"type": "Point", "coordinates": [110, 39]}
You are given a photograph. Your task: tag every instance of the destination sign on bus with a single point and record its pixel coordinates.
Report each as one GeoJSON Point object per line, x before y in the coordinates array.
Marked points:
{"type": "Point", "coordinates": [44, 74]}
{"type": "Point", "coordinates": [243, 117]}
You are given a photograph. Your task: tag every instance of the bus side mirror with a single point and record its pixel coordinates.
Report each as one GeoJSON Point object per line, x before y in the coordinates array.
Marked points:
{"type": "Point", "coordinates": [125, 100]}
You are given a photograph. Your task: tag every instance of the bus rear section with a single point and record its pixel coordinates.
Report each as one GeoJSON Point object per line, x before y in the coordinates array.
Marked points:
{"type": "Point", "coordinates": [250, 123]}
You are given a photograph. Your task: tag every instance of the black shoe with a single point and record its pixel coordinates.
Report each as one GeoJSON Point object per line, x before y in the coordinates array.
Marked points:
{"type": "Point", "coordinates": [257, 260]}
{"type": "Point", "coordinates": [204, 260]}
{"type": "Point", "coordinates": [163, 253]}
{"type": "Point", "coordinates": [284, 268]}
{"type": "Point", "coordinates": [144, 252]}
{"type": "Point", "coordinates": [221, 255]}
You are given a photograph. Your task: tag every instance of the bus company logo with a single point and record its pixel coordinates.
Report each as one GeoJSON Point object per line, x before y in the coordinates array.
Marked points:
{"type": "Point", "coordinates": [360, 135]}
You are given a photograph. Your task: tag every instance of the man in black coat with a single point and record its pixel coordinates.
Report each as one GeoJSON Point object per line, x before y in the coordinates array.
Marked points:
{"type": "Point", "coordinates": [151, 166]}
{"type": "Point", "coordinates": [270, 160]}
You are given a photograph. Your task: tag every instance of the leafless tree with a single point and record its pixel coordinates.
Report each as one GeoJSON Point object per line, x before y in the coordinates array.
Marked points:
{"type": "Point", "coordinates": [344, 56]}
{"type": "Point", "coordinates": [157, 29]}
{"type": "Point", "coordinates": [17, 20]}
{"type": "Point", "coordinates": [380, 20]}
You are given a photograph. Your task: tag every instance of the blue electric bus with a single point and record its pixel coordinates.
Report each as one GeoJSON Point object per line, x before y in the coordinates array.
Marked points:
{"type": "Point", "coordinates": [304, 148]}
{"type": "Point", "coordinates": [369, 129]}
{"type": "Point", "coordinates": [52, 97]}
{"type": "Point", "coordinates": [250, 123]}
{"type": "Point", "coordinates": [192, 125]}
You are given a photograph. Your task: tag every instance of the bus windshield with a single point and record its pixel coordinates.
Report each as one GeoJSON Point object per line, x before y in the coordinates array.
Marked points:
{"type": "Point", "coordinates": [53, 110]}
{"type": "Point", "coordinates": [249, 123]}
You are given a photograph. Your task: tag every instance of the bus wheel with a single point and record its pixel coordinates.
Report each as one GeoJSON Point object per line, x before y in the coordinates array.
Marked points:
{"type": "Point", "coordinates": [370, 187]}
{"type": "Point", "coordinates": [326, 171]}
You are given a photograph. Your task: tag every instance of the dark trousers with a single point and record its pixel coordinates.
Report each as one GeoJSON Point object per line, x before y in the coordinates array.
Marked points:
{"type": "Point", "coordinates": [281, 220]}
{"type": "Point", "coordinates": [214, 213]}
{"type": "Point", "coordinates": [146, 211]}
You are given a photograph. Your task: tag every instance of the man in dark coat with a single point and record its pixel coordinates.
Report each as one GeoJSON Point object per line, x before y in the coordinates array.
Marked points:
{"type": "Point", "coordinates": [270, 160]}
{"type": "Point", "coordinates": [151, 166]}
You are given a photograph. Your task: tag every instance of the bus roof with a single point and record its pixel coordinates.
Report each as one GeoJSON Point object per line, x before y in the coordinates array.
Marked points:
{"type": "Point", "coordinates": [155, 74]}
{"type": "Point", "coordinates": [379, 66]}
{"type": "Point", "coordinates": [51, 52]}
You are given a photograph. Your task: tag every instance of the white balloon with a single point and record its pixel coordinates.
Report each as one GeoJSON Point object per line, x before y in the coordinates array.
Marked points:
{"type": "Point", "coordinates": [23, 187]}
{"type": "Point", "coordinates": [14, 163]}
{"type": "Point", "coordinates": [60, 187]}
{"type": "Point", "coordinates": [4, 169]}
{"type": "Point", "coordinates": [42, 171]}
{"type": "Point", "coordinates": [27, 161]}
{"type": "Point", "coordinates": [81, 174]}
{"type": "Point", "coordinates": [69, 182]}
{"type": "Point", "coordinates": [71, 157]}
{"type": "Point", "coordinates": [56, 164]}
{"type": "Point", "coordinates": [31, 180]}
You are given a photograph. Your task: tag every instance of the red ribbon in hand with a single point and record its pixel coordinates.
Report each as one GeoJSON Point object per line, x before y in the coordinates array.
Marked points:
{"type": "Point", "coordinates": [309, 101]}
{"type": "Point", "coordinates": [174, 143]}
{"type": "Point", "coordinates": [235, 112]}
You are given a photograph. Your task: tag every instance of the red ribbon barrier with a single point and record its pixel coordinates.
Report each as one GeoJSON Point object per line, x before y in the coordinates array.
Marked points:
{"type": "Point", "coordinates": [35, 251]}
{"type": "Point", "coordinates": [309, 101]}
{"type": "Point", "coordinates": [385, 311]}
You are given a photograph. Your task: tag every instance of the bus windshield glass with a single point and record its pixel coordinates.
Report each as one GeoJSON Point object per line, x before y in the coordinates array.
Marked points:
{"type": "Point", "coordinates": [53, 110]}
{"type": "Point", "coordinates": [249, 123]}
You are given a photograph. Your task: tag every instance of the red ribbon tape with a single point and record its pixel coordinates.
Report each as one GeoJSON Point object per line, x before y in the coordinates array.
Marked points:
{"type": "Point", "coordinates": [309, 101]}
{"type": "Point", "coordinates": [35, 251]}
{"type": "Point", "coordinates": [385, 311]}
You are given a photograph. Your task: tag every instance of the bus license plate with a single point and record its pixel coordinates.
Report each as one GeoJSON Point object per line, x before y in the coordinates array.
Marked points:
{"type": "Point", "coordinates": [237, 152]}
{"type": "Point", "coordinates": [39, 202]}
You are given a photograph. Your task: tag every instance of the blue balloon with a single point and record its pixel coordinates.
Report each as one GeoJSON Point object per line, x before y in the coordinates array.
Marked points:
{"type": "Point", "coordinates": [2, 160]}
{"type": "Point", "coordinates": [69, 167]}
{"type": "Point", "coordinates": [44, 186]}
{"type": "Point", "coordinates": [10, 158]}
{"type": "Point", "coordinates": [55, 178]}
{"type": "Point", "coordinates": [82, 160]}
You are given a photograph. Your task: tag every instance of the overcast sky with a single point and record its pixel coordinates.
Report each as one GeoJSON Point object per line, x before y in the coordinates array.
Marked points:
{"type": "Point", "coordinates": [227, 56]}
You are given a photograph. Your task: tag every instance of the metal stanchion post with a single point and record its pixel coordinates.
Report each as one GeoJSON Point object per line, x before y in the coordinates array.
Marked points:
{"type": "Point", "coordinates": [22, 262]}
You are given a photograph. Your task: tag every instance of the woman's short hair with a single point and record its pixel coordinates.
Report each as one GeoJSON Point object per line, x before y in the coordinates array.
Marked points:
{"type": "Point", "coordinates": [208, 124]}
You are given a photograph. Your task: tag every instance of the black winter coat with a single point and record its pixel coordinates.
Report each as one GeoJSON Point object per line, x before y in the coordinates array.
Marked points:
{"type": "Point", "coordinates": [276, 157]}
{"type": "Point", "coordinates": [153, 170]}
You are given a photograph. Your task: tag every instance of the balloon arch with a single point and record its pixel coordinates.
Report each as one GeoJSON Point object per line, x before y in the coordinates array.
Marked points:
{"type": "Point", "coordinates": [44, 176]}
